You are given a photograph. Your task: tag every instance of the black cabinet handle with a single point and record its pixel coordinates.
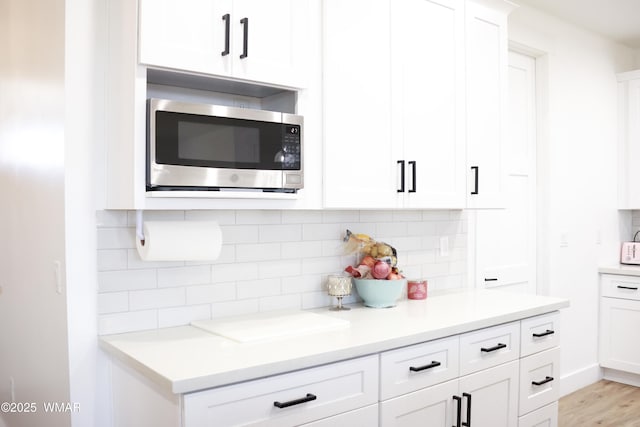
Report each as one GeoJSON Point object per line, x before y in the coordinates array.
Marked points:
{"type": "Point", "coordinates": [308, 398]}
{"type": "Point", "coordinates": [627, 287]}
{"type": "Point", "coordinates": [468, 423]}
{"type": "Point", "coordinates": [412, 163]}
{"type": "Point", "coordinates": [245, 41]}
{"type": "Point", "coordinates": [433, 364]}
{"type": "Point", "coordinates": [544, 334]}
{"type": "Point", "coordinates": [458, 399]}
{"type": "Point", "coordinates": [544, 381]}
{"type": "Point", "coordinates": [476, 169]}
{"type": "Point", "coordinates": [401, 163]}
{"type": "Point", "coordinates": [227, 28]}
{"type": "Point", "coordinates": [491, 279]}
{"type": "Point", "coordinates": [494, 348]}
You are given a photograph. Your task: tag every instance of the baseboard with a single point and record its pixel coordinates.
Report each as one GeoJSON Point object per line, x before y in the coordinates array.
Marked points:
{"type": "Point", "coordinates": [578, 379]}
{"type": "Point", "coordinates": [622, 377]}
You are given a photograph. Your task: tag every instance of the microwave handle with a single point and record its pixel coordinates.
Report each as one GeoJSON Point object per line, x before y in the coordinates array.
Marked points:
{"type": "Point", "coordinates": [227, 29]}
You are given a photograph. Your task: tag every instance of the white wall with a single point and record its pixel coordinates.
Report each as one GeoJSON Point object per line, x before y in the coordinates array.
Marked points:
{"type": "Point", "coordinates": [577, 174]}
{"type": "Point", "coordinates": [33, 321]}
{"type": "Point", "coordinates": [270, 260]}
{"type": "Point", "coordinates": [83, 125]}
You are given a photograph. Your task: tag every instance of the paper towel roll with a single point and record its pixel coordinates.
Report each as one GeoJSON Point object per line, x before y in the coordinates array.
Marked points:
{"type": "Point", "coordinates": [180, 241]}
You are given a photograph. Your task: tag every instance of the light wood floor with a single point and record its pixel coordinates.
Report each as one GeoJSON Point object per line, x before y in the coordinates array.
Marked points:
{"type": "Point", "coordinates": [605, 403]}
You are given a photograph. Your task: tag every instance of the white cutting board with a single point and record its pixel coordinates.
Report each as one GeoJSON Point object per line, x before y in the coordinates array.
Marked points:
{"type": "Point", "coordinates": [268, 326]}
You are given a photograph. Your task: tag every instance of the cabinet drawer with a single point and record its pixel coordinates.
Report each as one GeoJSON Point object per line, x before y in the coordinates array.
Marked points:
{"type": "Point", "coordinates": [618, 286]}
{"type": "Point", "coordinates": [489, 347]}
{"type": "Point", "coordinates": [546, 416]}
{"type": "Point", "coordinates": [539, 333]}
{"type": "Point", "coordinates": [539, 380]}
{"type": "Point", "coordinates": [411, 368]}
{"type": "Point", "coordinates": [337, 388]}
{"type": "Point", "coordinates": [367, 416]}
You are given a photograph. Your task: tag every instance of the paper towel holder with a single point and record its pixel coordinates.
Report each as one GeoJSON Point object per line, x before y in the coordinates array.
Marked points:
{"type": "Point", "coordinates": [139, 231]}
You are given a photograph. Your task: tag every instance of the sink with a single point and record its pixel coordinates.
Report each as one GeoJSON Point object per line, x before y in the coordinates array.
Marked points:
{"type": "Point", "coordinates": [269, 326]}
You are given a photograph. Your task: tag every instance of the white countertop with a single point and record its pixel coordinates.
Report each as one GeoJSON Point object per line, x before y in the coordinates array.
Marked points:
{"type": "Point", "coordinates": [626, 270]}
{"type": "Point", "coordinates": [185, 359]}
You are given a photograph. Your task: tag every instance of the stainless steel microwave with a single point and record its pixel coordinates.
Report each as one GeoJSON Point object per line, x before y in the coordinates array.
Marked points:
{"type": "Point", "coordinates": [213, 147]}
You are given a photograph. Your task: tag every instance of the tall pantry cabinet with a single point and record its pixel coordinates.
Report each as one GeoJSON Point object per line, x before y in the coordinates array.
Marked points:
{"type": "Point", "coordinates": [414, 94]}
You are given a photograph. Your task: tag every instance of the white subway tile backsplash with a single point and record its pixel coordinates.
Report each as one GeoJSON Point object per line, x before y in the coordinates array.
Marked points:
{"type": "Point", "coordinates": [223, 217]}
{"type": "Point", "coordinates": [258, 217]}
{"type": "Point", "coordinates": [270, 260]}
{"type": "Point", "coordinates": [280, 233]}
{"type": "Point", "coordinates": [177, 316]}
{"type": "Point", "coordinates": [233, 272]}
{"type": "Point", "coordinates": [113, 302]}
{"type": "Point", "coordinates": [301, 217]}
{"type": "Point", "coordinates": [116, 238]}
{"type": "Point", "coordinates": [127, 322]}
{"type": "Point", "coordinates": [232, 234]}
{"type": "Point", "coordinates": [112, 259]}
{"type": "Point", "coordinates": [258, 288]}
{"type": "Point", "coordinates": [322, 265]}
{"type": "Point", "coordinates": [276, 269]}
{"type": "Point", "coordinates": [257, 252]}
{"type": "Point", "coordinates": [156, 298]}
{"type": "Point", "coordinates": [126, 280]}
{"type": "Point", "coordinates": [302, 249]}
{"type": "Point", "coordinates": [211, 293]}
{"type": "Point", "coordinates": [281, 302]}
{"type": "Point", "coordinates": [235, 308]}
{"type": "Point", "coordinates": [184, 276]}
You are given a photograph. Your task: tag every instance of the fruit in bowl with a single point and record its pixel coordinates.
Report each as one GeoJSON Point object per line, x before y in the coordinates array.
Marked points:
{"type": "Point", "coordinates": [378, 293]}
{"type": "Point", "coordinates": [376, 277]}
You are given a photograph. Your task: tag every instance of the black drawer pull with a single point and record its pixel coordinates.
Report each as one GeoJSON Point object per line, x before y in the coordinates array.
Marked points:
{"type": "Point", "coordinates": [627, 287]}
{"type": "Point", "coordinates": [308, 398]}
{"type": "Point", "coordinates": [494, 348]}
{"type": "Point", "coordinates": [468, 422]}
{"type": "Point", "coordinates": [544, 381]}
{"type": "Point", "coordinates": [227, 27]}
{"type": "Point", "coordinates": [245, 38]}
{"type": "Point", "coordinates": [433, 364]}
{"type": "Point", "coordinates": [544, 334]}
{"type": "Point", "coordinates": [490, 279]}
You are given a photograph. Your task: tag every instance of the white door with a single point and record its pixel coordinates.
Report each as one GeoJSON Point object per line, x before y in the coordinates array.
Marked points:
{"type": "Point", "coordinates": [494, 396]}
{"type": "Point", "coordinates": [486, 40]}
{"type": "Point", "coordinates": [185, 34]}
{"type": "Point", "coordinates": [359, 169]}
{"type": "Point", "coordinates": [617, 349]}
{"type": "Point", "coordinates": [506, 238]}
{"type": "Point", "coordinates": [276, 40]}
{"type": "Point", "coordinates": [427, 66]}
{"type": "Point", "coordinates": [430, 407]}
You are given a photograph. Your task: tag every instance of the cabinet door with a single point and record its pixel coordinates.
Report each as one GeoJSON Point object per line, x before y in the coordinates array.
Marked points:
{"type": "Point", "coordinates": [486, 37]}
{"type": "Point", "coordinates": [185, 35]}
{"type": "Point", "coordinates": [427, 39]}
{"type": "Point", "coordinates": [629, 148]}
{"type": "Point", "coordinates": [359, 170]}
{"type": "Point", "coordinates": [617, 349]}
{"type": "Point", "coordinates": [494, 396]}
{"type": "Point", "coordinates": [430, 407]}
{"type": "Point", "coordinates": [276, 42]}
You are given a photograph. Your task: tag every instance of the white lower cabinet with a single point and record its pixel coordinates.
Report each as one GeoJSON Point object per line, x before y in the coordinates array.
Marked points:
{"type": "Point", "coordinates": [547, 416]}
{"type": "Point", "coordinates": [289, 399]}
{"type": "Point", "coordinates": [619, 313]}
{"type": "Point", "coordinates": [539, 374]}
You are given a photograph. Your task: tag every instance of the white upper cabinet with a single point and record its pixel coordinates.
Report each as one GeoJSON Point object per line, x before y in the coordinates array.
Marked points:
{"type": "Point", "coordinates": [487, 80]}
{"type": "Point", "coordinates": [252, 40]}
{"type": "Point", "coordinates": [359, 169]}
{"type": "Point", "coordinates": [396, 76]}
{"type": "Point", "coordinates": [427, 69]}
{"type": "Point", "coordinates": [629, 140]}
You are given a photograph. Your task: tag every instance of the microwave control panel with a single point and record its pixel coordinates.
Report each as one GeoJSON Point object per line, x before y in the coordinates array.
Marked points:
{"type": "Point", "coordinates": [292, 147]}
